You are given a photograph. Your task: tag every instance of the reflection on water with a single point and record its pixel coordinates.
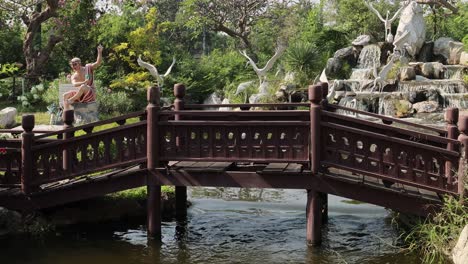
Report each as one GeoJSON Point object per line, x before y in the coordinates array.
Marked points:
{"type": "Point", "coordinates": [225, 226]}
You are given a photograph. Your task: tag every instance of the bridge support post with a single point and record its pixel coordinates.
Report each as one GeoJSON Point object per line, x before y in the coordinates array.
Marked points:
{"type": "Point", "coordinates": [180, 191]}
{"type": "Point", "coordinates": [451, 117]}
{"type": "Point", "coordinates": [68, 118]}
{"type": "Point", "coordinates": [315, 98]}
{"type": "Point", "coordinates": [27, 141]}
{"type": "Point", "coordinates": [463, 167]}
{"type": "Point", "coordinates": [152, 146]}
{"type": "Point", "coordinates": [314, 218]}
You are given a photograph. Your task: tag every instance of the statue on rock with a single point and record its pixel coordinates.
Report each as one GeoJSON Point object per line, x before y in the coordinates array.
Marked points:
{"type": "Point", "coordinates": [387, 22]}
{"type": "Point", "coordinates": [411, 31]}
{"type": "Point", "coordinates": [261, 73]}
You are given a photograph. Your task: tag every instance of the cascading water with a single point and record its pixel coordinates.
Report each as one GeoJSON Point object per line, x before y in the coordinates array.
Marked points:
{"type": "Point", "coordinates": [443, 86]}
{"type": "Point", "coordinates": [459, 101]}
{"type": "Point", "coordinates": [454, 72]}
{"type": "Point", "coordinates": [369, 57]}
{"type": "Point", "coordinates": [361, 74]}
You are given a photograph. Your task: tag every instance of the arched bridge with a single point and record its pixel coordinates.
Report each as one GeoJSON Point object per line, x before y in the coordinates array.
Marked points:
{"type": "Point", "coordinates": [376, 159]}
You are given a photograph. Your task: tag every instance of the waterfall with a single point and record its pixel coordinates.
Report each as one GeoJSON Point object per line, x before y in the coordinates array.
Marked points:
{"type": "Point", "coordinates": [459, 101]}
{"type": "Point", "coordinates": [442, 86]}
{"type": "Point", "coordinates": [361, 74]}
{"type": "Point", "coordinates": [454, 72]}
{"type": "Point", "coordinates": [369, 57]}
{"type": "Point", "coordinates": [387, 106]}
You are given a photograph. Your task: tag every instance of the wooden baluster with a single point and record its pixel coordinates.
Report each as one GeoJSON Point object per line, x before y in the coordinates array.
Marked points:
{"type": "Point", "coordinates": [152, 148]}
{"type": "Point", "coordinates": [463, 169]}
{"type": "Point", "coordinates": [180, 191]}
{"type": "Point", "coordinates": [451, 117]}
{"type": "Point", "coordinates": [68, 119]}
{"type": "Point", "coordinates": [27, 157]}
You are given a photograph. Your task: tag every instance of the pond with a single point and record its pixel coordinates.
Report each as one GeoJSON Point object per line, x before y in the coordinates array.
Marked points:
{"type": "Point", "coordinates": [226, 225]}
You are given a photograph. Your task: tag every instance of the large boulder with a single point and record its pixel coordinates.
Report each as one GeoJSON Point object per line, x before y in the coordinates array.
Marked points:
{"type": "Point", "coordinates": [441, 47]}
{"type": "Point", "coordinates": [460, 251]}
{"type": "Point", "coordinates": [432, 70]}
{"type": "Point", "coordinates": [335, 65]}
{"type": "Point", "coordinates": [8, 117]}
{"type": "Point", "coordinates": [411, 31]}
{"type": "Point", "coordinates": [449, 49]}
{"type": "Point", "coordinates": [426, 107]}
{"type": "Point", "coordinates": [361, 40]}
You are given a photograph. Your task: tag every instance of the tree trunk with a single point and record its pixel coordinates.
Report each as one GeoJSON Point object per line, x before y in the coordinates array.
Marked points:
{"type": "Point", "coordinates": [37, 58]}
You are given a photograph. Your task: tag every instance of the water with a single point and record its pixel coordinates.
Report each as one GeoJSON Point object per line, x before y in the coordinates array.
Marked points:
{"type": "Point", "coordinates": [369, 57]}
{"type": "Point", "coordinates": [226, 225]}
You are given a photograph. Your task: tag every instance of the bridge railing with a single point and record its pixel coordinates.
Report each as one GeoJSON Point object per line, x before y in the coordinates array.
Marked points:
{"type": "Point", "coordinates": [426, 159]}
{"type": "Point", "coordinates": [237, 136]}
{"type": "Point", "coordinates": [71, 156]}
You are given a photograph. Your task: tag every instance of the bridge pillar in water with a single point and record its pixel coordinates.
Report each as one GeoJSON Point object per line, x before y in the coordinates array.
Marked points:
{"type": "Point", "coordinates": [314, 216]}
{"type": "Point", "coordinates": [152, 142]}
{"type": "Point", "coordinates": [180, 191]}
{"type": "Point", "coordinates": [317, 210]}
{"type": "Point", "coordinates": [27, 141]}
{"type": "Point", "coordinates": [463, 167]}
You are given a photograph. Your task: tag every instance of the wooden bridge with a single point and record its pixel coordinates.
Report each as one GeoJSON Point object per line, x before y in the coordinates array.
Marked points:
{"type": "Point", "coordinates": [367, 157]}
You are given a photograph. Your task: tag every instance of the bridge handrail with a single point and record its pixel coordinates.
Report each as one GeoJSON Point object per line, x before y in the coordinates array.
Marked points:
{"type": "Point", "coordinates": [91, 125]}
{"type": "Point", "coordinates": [388, 119]}
{"type": "Point", "coordinates": [87, 136]}
{"type": "Point", "coordinates": [392, 139]}
{"type": "Point", "coordinates": [203, 113]}
{"type": "Point", "coordinates": [282, 105]}
{"type": "Point", "coordinates": [412, 133]}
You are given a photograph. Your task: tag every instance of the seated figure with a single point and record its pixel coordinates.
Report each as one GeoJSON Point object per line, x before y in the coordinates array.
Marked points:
{"type": "Point", "coordinates": [83, 81]}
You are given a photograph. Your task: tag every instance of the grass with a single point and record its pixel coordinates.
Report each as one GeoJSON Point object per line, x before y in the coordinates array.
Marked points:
{"type": "Point", "coordinates": [140, 193]}
{"type": "Point", "coordinates": [435, 237]}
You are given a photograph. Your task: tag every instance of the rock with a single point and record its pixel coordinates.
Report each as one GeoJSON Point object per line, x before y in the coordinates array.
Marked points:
{"type": "Point", "coordinates": [449, 49]}
{"type": "Point", "coordinates": [86, 112]}
{"type": "Point", "coordinates": [441, 47]}
{"type": "Point", "coordinates": [416, 97]}
{"type": "Point", "coordinates": [7, 117]}
{"type": "Point", "coordinates": [407, 74]}
{"type": "Point", "coordinates": [425, 54]}
{"type": "Point", "coordinates": [426, 107]}
{"type": "Point", "coordinates": [432, 70]}
{"type": "Point", "coordinates": [460, 251]}
{"type": "Point", "coordinates": [10, 221]}
{"type": "Point", "coordinates": [431, 95]}
{"type": "Point", "coordinates": [464, 58]}
{"type": "Point", "coordinates": [411, 31]}
{"type": "Point", "coordinates": [335, 65]}
{"type": "Point", "coordinates": [456, 48]}
{"type": "Point", "coordinates": [361, 40]}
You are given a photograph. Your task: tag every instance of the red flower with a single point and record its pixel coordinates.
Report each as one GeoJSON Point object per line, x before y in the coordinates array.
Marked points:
{"type": "Point", "coordinates": [3, 151]}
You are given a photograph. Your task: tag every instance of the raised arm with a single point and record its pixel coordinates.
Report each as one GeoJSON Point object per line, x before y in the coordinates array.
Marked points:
{"type": "Point", "coordinates": [99, 58]}
{"type": "Point", "coordinates": [371, 7]}
{"type": "Point", "coordinates": [397, 13]}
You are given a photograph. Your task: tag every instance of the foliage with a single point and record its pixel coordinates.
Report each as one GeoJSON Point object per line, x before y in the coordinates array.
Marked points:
{"type": "Point", "coordinates": [141, 193]}
{"type": "Point", "coordinates": [439, 24]}
{"type": "Point", "coordinates": [214, 72]}
{"type": "Point", "coordinates": [436, 237]}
